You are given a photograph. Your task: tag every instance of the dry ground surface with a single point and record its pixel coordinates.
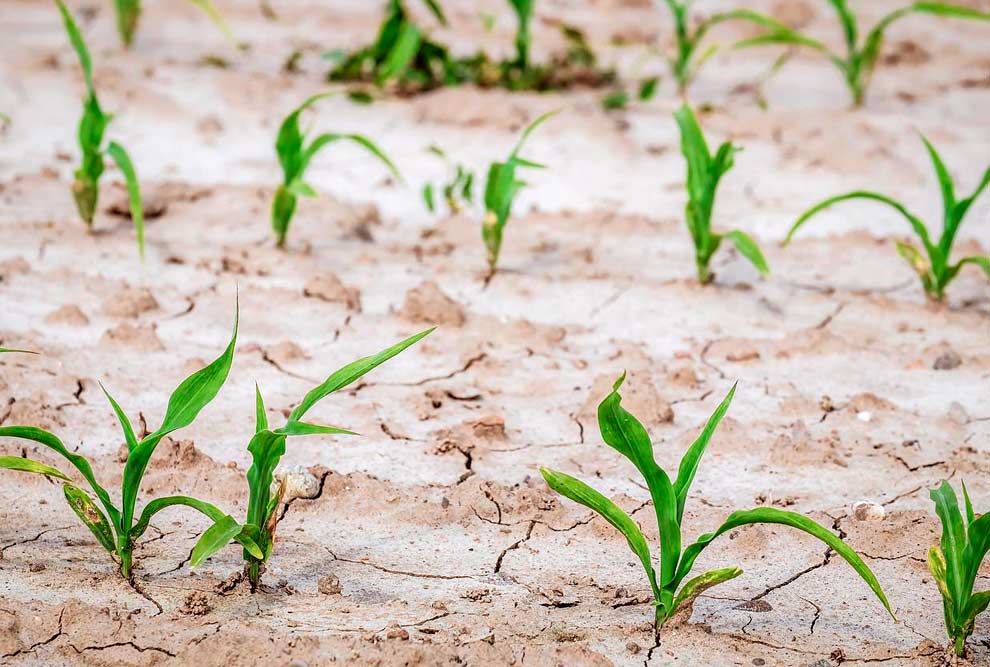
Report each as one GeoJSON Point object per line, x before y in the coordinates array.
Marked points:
{"type": "Point", "coordinates": [447, 546]}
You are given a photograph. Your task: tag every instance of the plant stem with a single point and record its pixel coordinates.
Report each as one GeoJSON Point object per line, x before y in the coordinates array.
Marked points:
{"type": "Point", "coordinates": [704, 274]}
{"type": "Point", "coordinates": [125, 563]}
{"type": "Point", "coordinates": [960, 645]}
{"type": "Point", "coordinates": [254, 574]}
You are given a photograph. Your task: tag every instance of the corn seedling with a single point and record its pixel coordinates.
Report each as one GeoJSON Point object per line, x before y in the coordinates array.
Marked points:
{"type": "Point", "coordinates": [267, 448]}
{"type": "Point", "coordinates": [704, 171]}
{"type": "Point", "coordinates": [92, 126]}
{"type": "Point", "coordinates": [689, 59]}
{"type": "Point", "coordinates": [956, 562]}
{"type": "Point", "coordinates": [860, 59]}
{"type": "Point", "coordinates": [501, 188]}
{"type": "Point", "coordinates": [115, 527]}
{"type": "Point", "coordinates": [129, 11]}
{"type": "Point", "coordinates": [295, 155]}
{"type": "Point", "coordinates": [936, 270]}
{"type": "Point", "coordinates": [671, 593]}
{"type": "Point", "coordinates": [402, 52]}
{"type": "Point", "coordinates": [457, 192]}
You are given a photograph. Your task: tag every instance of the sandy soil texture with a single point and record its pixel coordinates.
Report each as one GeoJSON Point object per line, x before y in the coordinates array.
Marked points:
{"type": "Point", "coordinates": [432, 539]}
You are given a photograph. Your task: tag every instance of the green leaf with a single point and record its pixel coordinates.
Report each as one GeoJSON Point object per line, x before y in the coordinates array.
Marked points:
{"type": "Point", "coordinates": [51, 441]}
{"type": "Point", "coordinates": [981, 262]}
{"type": "Point", "coordinates": [125, 423]}
{"type": "Point", "coordinates": [302, 428]}
{"type": "Point", "coordinates": [648, 89]}
{"type": "Point", "coordinates": [351, 372]}
{"type": "Point", "coordinates": [936, 563]}
{"type": "Point", "coordinates": [27, 465]}
{"type": "Point", "coordinates": [542, 118]}
{"type": "Point", "coordinates": [266, 449]}
{"type": "Point", "coordinates": [617, 99]}
{"type": "Point", "coordinates": [776, 516]}
{"type": "Point", "coordinates": [970, 514]}
{"type": "Point", "coordinates": [213, 539]}
{"type": "Point", "coordinates": [216, 17]}
{"type": "Point", "coordinates": [123, 160]}
{"type": "Point", "coordinates": [358, 139]}
{"type": "Point", "coordinates": [913, 257]}
{"type": "Point", "coordinates": [944, 179]}
{"type": "Point", "coordinates": [428, 198]}
{"type": "Point", "coordinates": [158, 504]}
{"type": "Point", "coordinates": [4, 350]}
{"type": "Point", "coordinates": [747, 248]}
{"type": "Point", "coordinates": [953, 542]}
{"type": "Point", "coordinates": [695, 587]}
{"type": "Point", "coordinates": [977, 605]}
{"type": "Point", "coordinates": [301, 188]}
{"type": "Point", "coordinates": [260, 415]}
{"type": "Point", "coordinates": [189, 398]}
{"type": "Point", "coordinates": [402, 54]}
{"type": "Point", "coordinates": [76, 38]}
{"type": "Point", "coordinates": [583, 494]}
{"type": "Point", "coordinates": [623, 432]}
{"type": "Point", "coordinates": [916, 224]}
{"type": "Point", "coordinates": [689, 463]}
{"type": "Point", "coordinates": [90, 514]}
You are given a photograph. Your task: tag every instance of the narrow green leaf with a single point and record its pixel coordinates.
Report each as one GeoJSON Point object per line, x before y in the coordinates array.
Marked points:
{"type": "Point", "coordinates": [776, 516]}
{"type": "Point", "coordinates": [953, 542]}
{"type": "Point", "coordinates": [51, 441]}
{"type": "Point", "coordinates": [4, 350]}
{"type": "Point", "coordinates": [936, 563]}
{"type": "Point", "coordinates": [90, 514]}
{"type": "Point", "coordinates": [125, 423]}
{"type": "Point", "coordinates": [648, 89]}
{"type": "Point", "coordinates": [260, 414]}
{"type": "Point", "coordinates": [27, 465]}
{"type": "Point", "coordinates": [302, 428]}
{"type": "Point", "coordinates": [747, 248]}
{"type": "Point", "coordinates": [351, 372]}
{"type": "Point", "coordinates": [428, 198]}
{"type": "Point", "coordinates": [158, 504]}
{"type": "Point", "coordinates": [698, 585]}
{"type": "Point", "coordinates": [692, 458]}
{"type": "Point", "coordinates": [213, 539]}
{"type": "Point", "coordinates": [123, 160]}
{"type": "Point", "coordinates": [583, 494]}
{"type": "Point", "coordinates": [402, 54]}
{"type": "Point", "coordinates": [79, 44]}
{"type": "Point", "coordinates": [981, 262]}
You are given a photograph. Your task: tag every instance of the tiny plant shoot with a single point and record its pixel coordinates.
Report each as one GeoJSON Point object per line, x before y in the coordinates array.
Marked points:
{"type": "Point", "coordinates": [458, 192]}
{"type": "Point", "coordinates": [114, 526]}
{"type": "Point", "coordinates": [689, 60]}
{"type": "Point", "coordinates": [704, 171]}
{"type": "Point", "coordinates": [501, 188]}
{"type": "Point", "coordinates": [266, 449]}
{"type": "Point", "coordinates": [956, 562]}
{"type": "Point", "coordinates": [935, 267]}
{"type": "Point", "coordinates": [295, 155]}
{"type": "Point", "coordinates": [671, 592]}
{"type": "Point", "coordinates": [860, 59]}
{"type": "Point", "coordinates": [129, 11]}
{"type": "Point", "coordinates": [92, 125]}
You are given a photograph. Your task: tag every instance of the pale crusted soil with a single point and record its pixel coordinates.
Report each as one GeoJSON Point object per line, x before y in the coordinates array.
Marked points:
{"type": "Point", "coordinates": [447, 546]}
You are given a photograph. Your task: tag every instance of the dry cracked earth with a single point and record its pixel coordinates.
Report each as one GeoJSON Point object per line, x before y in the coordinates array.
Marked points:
{"type": "Point", "coordinates": [431, 539]}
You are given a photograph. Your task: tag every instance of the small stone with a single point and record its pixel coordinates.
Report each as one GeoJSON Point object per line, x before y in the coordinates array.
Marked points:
{"type": "Point", "coordinates": [947, 361]}
{"type": "Point", "coordinates": [299, 484]}
{"type": "Point", "coordinates": [864, 416]}
{"type": "Point", "coordinates": [490, 426]}
{"type": "Point", "coordinates": [329, 585]}
{"type": "Point", "coordinates": [633, 648]}
{"type": "Point", "coordinates": [865, 510]}
{"type": "Point", "coordinates": [36, 567]}
{"type": "Point", "coordinates": [826, 404]}
{"type": "Point", "coordinates": [957, 413]}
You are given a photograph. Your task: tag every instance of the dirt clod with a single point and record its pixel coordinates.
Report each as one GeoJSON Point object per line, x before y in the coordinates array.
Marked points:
{"type": "Point", "coordinates": [329, 585]}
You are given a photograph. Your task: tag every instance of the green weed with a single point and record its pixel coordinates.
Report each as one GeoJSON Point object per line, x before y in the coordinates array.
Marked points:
{"type": "Point", "coordinates": [956, 562]}
{"type": "Point", "coordinates": [704, 171]}
{"type": "Point", "coordinates": [92, 126]}
{"type": "Point", "coordinates": [295, 155]}
{"type": "Point", "coordinates": [935, 267]}
{"type": "Point", "coordinates": [267, 448]}
{"type": "Point", "coordinates": [457, 192]}
{"type": "Point", "coordinates": [115, 527]}
{"type": "Point", "coordinates": [671, 593]}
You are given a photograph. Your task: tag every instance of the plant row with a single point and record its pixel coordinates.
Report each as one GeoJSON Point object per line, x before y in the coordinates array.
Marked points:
{"type": "Point", "coordinates": [931, 259]}
{"type": "Point", "coordinates": [954, 562]}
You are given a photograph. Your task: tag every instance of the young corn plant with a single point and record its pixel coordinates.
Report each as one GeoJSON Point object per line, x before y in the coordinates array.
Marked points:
{"type": "Point", "coordinates": [267, 448]}
{"type": "Point", "coordinates": [860, 59]}
{"type": "Point", "coordinates": [501, 188]}
{"type": "Point", "coordinates": [934, 267]}
{"type": "Point", "coordinates": [704, 171]}
{"type": "Point", "coordinates": [129, 11]}
{"type": "Point", "coordinates": [671, 593]}
{"type": "Point", "coordinates": [402, 52]}
{"type": "Point", "coordinates": [688, 60]}
{"type": "Point", "coordinates": [116, 527]}
{"type": "Point", "coordinates": [956, 562]}
{"type": "Point", "coordinates": [92, 126]}
{"type": "Point", "coordinates": [295, 155]}
{"type": "Point", "coordinates": [457, 192]}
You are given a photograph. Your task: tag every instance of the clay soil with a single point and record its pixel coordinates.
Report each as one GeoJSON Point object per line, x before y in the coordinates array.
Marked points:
{"type": "Point", "coordinates": [431, 539]}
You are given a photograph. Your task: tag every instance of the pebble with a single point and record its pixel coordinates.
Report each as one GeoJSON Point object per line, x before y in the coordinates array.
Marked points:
{"type": "Point", "coordinates": [864, 510]}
